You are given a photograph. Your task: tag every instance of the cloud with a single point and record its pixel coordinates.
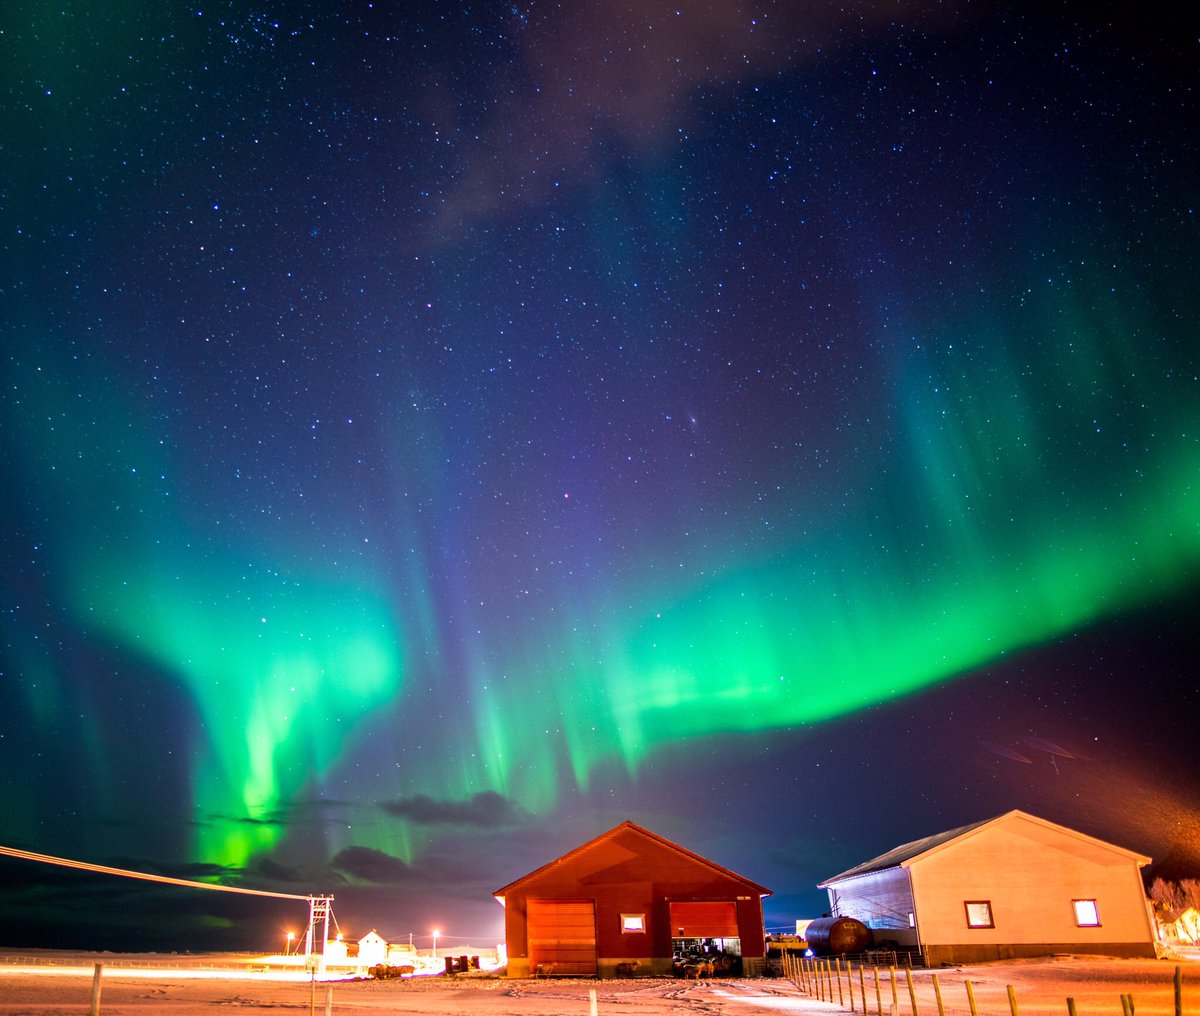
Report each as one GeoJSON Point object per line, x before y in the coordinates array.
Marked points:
{"type": "Point", "coordinates": [486, 810]}
{"type": "Point", "coordinates": [625, 75]}
{"type": "Point", "coordinates": [368, 865]}
{"type": "Point", "coordinates": [274, 872]}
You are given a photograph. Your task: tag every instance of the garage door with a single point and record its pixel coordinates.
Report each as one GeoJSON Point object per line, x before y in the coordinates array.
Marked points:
{"type": "Point", "coordinates": [711, 919]}
{"type": "Point", "coordinates": [562, 937]}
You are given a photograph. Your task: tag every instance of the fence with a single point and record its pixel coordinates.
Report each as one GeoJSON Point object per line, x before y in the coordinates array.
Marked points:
{"type": "Point", "coordinates": [834, 980]}
{"type": "Point", "coordinates": [98, 986]}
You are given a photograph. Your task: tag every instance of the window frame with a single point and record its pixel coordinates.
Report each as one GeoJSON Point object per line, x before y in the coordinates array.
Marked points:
{"type": "Point", "coordinates": [991, 914]}
{"type": "Point", "coordinates": [626, 919]}
{"type": "Point", "coordinates": [1090, 901]}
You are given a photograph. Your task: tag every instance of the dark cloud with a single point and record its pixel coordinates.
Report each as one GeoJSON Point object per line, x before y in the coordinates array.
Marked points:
{"type": "Point", "coordinates": [275, 818]}
{"type": "Point", "coordinates": [275, 872]}
{"type": "Point", "coordinates": [368, 865]}
{"type": "Point", "coordinates": [486, 810]}
{"type": "Point", "coordinates": [196, 872]}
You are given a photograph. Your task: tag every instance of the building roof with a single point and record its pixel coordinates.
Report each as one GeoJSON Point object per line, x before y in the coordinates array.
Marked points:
{"type": "Point", "coordinates": [907, 853]}
{"type": "Point", "coordinates": [633, 827]}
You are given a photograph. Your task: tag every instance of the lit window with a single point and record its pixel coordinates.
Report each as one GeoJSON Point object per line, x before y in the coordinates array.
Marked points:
{"type": "Point", "coordinates": [1086, 914]}
{"type": "Point", "coordinates": [979, 914]}
{"type": "Point", "coordinates": [633, 922]}
{"type": "Point", "coordinates": [912, 919]}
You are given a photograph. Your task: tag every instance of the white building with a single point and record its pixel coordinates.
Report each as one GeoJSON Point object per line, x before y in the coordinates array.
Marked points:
{"type": "Point", "coordinates": [1010, 886]}
{"type": "Point", "coordinates": [372, 949]}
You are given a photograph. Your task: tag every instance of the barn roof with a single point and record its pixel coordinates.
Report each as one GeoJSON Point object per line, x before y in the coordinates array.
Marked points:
{"type": "Point", "coordinates": [633, 827]}
{"type": "Point", "coordinates": [903, 855]}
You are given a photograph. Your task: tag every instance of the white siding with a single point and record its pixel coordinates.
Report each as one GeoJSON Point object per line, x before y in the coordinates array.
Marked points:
{"type": "Point", "coordinates": [882, 900]}
{"type": "Point", "coordinates": [1030, 872]}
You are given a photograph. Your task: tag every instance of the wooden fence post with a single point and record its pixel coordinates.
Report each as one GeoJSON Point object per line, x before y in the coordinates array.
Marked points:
{"type": "Point", "coordinates": [1071, 1010]}
{"type": "Point", "coordinates": [912, 992]}
{"type": "Point", "coordinates": [95, 1009]}
{"type": "Point", "coordinates": [878, 997]}
{"type": "Point", "coordinates": [937, 993]}
{"type": "Point", "coordinates": [841, 999]}
{"type": "Point", "coordinates": [971, 998]}
{"type": "Point", "coordinates": [862, 987]}
{"type": "Point", "coordinates": [1012, 1001]}
{"type": "Point", "coordinates": [1179, 991]}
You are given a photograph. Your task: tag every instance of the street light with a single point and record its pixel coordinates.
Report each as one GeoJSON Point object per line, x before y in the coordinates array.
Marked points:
{"type": "Point", "coordinates": [287, 949]}
{"type": "Point", "coordinates": [435, 935]}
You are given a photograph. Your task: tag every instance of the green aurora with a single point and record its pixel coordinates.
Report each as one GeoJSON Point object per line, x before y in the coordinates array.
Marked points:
{"type": "Point", "coordinates": [285, 663]}
{"type": "Point", "coordinates": [407, 403]}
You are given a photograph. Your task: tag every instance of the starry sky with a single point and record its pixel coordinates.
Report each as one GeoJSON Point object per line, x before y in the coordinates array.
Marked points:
{"type": "Point", "coordinates": [433, 433]}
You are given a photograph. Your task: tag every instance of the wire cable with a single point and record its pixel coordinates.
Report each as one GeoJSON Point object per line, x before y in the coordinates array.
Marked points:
{"type": "Point", "coordinates": [63, 862]}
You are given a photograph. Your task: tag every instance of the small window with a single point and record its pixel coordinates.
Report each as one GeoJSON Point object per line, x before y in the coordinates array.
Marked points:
{"type": "Point", "coordinates": [633, 922]}
{"type": "Point", "coordinates": [979, 913]}
{"type": "Point", "coordinates": [912, 919]}
{"type": "Point", "coordinates": [1086, 913]}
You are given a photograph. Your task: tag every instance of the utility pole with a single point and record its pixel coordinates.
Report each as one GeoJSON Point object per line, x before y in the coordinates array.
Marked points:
{"type": "Point", "coordinates": [320, 909]}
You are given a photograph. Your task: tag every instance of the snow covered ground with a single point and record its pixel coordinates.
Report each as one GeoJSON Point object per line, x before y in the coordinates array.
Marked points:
{"type": "Point", "coordinates": [196, 985]}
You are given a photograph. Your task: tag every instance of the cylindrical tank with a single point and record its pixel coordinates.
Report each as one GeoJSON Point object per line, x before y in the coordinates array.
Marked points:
{"type": "Point", "coordinates": [832, 936]}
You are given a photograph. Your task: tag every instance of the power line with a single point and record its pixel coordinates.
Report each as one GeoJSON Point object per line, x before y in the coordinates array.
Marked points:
{"type": "Point", "coordinates": [63, 862]}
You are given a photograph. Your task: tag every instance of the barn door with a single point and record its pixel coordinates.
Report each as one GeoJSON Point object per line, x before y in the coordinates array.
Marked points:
{"type": "Point", "coordinates": [562, 937]}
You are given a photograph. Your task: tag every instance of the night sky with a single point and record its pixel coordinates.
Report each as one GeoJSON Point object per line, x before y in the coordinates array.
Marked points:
{"type": "Point", "coordinates": [433, 433]}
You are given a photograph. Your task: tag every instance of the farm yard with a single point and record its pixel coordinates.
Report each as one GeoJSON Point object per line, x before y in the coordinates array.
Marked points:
{"type": "Point", "coordinates": [1040, 987]}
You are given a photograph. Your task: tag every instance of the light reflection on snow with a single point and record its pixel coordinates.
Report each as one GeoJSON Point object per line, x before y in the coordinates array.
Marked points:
{"type": "Point", "coordinates": [781, 1002]}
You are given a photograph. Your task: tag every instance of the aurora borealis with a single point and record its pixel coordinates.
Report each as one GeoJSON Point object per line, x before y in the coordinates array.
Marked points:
{"type": "Point", "coordinates": [435, 433]}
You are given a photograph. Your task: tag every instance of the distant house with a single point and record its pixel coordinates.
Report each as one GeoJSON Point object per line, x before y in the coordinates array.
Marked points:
{"type": "Point", "coordinates": [372, 949]}
{"type": "Point", "coordinates": [401, 954]}
{"type": "Point", "coordinates": [1183, 930]}
{"type": "Point", "coordinates": [630, 901]}
{"type": "Point", "coordinates": [1010, 886]}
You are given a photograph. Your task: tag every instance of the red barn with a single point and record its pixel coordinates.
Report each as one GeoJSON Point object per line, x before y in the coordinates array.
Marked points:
{"type": "Point", "coordinates": [630, 901]}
